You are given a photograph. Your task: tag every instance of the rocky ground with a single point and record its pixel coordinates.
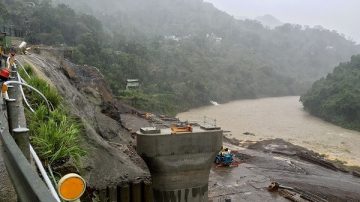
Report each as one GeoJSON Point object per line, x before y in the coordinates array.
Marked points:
{"type": "Point", "coordinates": [276, 160]}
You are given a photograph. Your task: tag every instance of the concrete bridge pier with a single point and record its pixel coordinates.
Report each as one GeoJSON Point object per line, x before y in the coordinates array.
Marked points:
{"type": "Point", "coordinates": [179, 163]}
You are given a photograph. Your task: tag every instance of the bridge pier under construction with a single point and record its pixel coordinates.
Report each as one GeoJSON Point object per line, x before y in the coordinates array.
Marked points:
{"type": "Point", "coordinates": [179, 162]}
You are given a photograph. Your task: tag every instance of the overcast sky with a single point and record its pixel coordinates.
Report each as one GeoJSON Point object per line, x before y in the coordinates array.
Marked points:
{"type": "Point", "coordinates": [340, 15]}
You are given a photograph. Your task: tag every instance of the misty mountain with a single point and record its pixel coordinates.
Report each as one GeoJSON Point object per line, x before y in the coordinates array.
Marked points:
{"type": "Point", "coordinates": [269, 21]}
{"type": "Point", "coordinates": [246, 58]}
{"type": "Point", "coordinates": [154, 17]}
{"type": "Point", "coordinates": [185, 52]}
{"type": "Point", "coordinates": [300, 52]}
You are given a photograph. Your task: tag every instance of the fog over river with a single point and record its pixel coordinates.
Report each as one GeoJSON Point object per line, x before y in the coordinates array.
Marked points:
{"type": "Point", "coordinates": [282, 117]}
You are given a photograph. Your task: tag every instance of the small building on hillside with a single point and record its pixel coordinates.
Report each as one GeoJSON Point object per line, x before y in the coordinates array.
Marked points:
{"type": "Point", "coordinates": [132, 84]}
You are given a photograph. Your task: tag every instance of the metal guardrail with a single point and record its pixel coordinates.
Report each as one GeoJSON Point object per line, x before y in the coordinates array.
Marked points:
{"type": "Point", "coordinates": [27, 183]}
{"type": "Point", "coordinates": [16, 152]}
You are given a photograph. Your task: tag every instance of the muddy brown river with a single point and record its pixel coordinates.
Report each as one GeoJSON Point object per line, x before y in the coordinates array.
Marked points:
{"type": "Point", "coordinates": [282, 117]}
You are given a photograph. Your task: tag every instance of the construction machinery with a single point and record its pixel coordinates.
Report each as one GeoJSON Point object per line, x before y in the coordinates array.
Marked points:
{"type": "Point", "coordinates": [224, 159]}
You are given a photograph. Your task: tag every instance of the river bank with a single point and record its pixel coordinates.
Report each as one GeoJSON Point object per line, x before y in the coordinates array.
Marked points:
{"type": "Point", "coordinates": [273, 161]}
{"type": "Point", "coordinates": [282, 117]}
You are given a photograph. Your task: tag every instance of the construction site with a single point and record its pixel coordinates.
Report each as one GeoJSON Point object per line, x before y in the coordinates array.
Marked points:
{"type": "Point", "coordinates": [138, 156]}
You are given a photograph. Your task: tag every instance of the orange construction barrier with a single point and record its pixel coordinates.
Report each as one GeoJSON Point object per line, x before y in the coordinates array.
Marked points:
{"type": "Point", "coordinates": [181, 129]}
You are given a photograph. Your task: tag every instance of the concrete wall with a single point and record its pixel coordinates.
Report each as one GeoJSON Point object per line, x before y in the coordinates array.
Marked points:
{"type": "Point", "coordinates": [180, 164]}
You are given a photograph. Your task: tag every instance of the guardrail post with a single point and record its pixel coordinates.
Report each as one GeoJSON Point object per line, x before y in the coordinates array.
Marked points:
{"type": "Point", "coordinates": [12, 111]}
{"type": "Point", "coordinates": [11, 90]}
{"type": "Point", "coordinates": [21, 137]}
{"type": "Point", "coordinates": [16, 118]}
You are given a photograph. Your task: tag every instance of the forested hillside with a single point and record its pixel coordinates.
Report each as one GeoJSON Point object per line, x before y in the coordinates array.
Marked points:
{"type": "Point", "coordinates": [185, 52]}
{"type": "Point", "coordinates": [336, 98]}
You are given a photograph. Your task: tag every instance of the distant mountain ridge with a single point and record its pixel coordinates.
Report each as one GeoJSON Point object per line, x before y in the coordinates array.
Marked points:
{"type": "Point", "coordinates": [269, 21]}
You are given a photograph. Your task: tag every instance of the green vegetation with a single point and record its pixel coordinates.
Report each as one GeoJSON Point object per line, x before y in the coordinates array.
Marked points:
{"type": "Point", "coordinates": [336, 98]}
{"type": "Point", "coordinates": [54, 134]}
{"type": "Point", "coordinates": [156, 102]}
{"type": "Point", "coordinates": [185, 53]}
{"type": "Point", "coordinates": [50, 93]}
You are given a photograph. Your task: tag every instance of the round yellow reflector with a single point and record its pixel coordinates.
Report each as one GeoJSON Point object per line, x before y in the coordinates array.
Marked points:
{"type": "Point", "coordinates": [71, 187]}
{"type": "Point", "coordinates": [4, 88]}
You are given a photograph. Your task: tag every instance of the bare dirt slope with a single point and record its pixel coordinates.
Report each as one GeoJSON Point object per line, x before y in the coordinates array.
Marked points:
{"type": "Point", "coordinates": [111, 159]}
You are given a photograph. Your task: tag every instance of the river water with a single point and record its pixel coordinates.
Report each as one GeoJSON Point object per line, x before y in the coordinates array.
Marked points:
{"type": "Point", "coordinates": [282, 117]}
